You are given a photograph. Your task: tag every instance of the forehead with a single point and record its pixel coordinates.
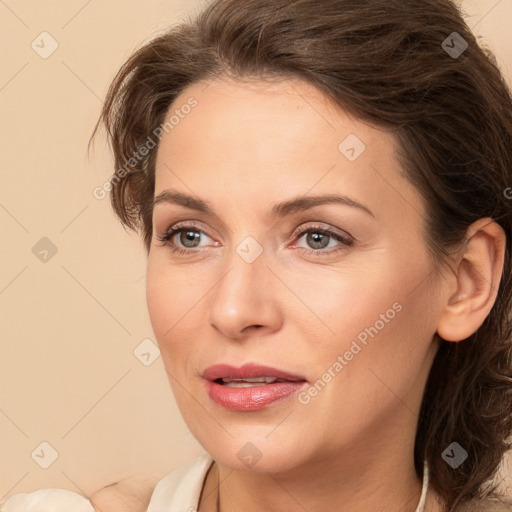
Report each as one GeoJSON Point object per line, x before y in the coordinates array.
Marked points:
{"type": "Point", "coordinates": [253, 138]}
{"type": "Point", "coordinates": [281, 114]}
{"type": "Point", "coordinates": [260, 121]}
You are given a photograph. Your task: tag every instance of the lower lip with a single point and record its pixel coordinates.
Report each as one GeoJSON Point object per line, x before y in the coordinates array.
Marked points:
{"type": "Point", "coordinates": [251, 398]}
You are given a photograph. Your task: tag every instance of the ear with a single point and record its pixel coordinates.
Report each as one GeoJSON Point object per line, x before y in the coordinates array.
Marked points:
{"type": "Point", "coordinates": [477, 277]}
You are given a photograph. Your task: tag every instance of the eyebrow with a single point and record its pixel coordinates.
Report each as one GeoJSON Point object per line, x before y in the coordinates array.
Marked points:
{"type": "Point", "coordinates": [278, 210]}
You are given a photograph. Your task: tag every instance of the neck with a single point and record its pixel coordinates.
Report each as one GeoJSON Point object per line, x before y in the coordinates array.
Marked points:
{"type": "Point", "coordinates": [370, 481]}
{"type": "Point", "coordinates": [373, 471]}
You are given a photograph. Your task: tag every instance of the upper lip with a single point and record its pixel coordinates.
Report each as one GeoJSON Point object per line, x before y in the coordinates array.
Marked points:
{"type": "Point", "coordinates": [247, 371]}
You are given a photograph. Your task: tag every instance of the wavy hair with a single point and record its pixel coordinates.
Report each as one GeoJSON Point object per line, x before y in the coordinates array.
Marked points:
{"type": "Point", "coordinates": [399, 65]}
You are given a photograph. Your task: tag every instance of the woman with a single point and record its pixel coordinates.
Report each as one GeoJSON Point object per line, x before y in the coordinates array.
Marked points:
{"type": "Point", "coordinates": [323, 190]}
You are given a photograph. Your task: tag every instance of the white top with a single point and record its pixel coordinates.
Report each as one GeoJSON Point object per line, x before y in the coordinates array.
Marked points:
{"type": "Point", "coordinates": [47, 500]}
{"type": "Point", "coordinates": [180, 491]}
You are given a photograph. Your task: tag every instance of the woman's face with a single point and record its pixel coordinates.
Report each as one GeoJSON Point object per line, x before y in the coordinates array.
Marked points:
{"type": "Point", "coordinates": [256, 279]}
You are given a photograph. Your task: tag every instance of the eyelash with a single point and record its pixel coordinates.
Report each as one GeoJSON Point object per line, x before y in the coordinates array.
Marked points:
{"type": "Point", "coordinates": [166, 239]}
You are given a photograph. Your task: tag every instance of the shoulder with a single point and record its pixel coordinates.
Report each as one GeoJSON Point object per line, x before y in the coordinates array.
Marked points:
{"type": "Point", "coordinates": [130, 494]}
{"type": "Point", "coordinates": [502, 504]}
{"type": "Point", "coordinates": [141, 493]}
{"type": "Point", "coordinates": [133, 494]}
{"type": "Point", "coordinates": [56, 500]}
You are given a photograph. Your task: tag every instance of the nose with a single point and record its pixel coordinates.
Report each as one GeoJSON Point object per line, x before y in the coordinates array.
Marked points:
{"type": "Point", "coordinates": [245, 300]}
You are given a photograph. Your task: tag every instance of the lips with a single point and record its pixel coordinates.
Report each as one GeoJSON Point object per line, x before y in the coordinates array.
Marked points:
{"type": "Point", "coordinates": [248, 371]}
{"type": "Point", "coordinates": [251, 387]}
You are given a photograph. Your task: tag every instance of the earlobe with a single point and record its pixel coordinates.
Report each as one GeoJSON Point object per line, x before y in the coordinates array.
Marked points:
{"type": "Point", "coordinates": [477, 277]}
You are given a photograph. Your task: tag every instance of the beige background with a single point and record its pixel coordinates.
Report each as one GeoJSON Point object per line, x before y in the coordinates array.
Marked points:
{"type": "Point", "coordinates": [70, 324]}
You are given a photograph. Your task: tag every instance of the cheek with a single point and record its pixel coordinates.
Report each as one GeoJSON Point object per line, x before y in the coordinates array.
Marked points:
{"type": "Point", "coordinates": [169, 297]}
{"type": "Point", "coordinates": [169, 292]}
{"type": "Point", "coordinates": [159, 298]}
{"type": "Point", "coordinates": [380, 313]}
{"type": "Point", "coordinates": [338, 304]}
{"type": "Point", "coordinates": [176, 299]}
{"type": "Point", "coordinates": [385, 337]}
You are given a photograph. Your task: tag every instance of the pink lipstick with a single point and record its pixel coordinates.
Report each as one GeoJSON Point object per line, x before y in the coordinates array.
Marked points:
{"type": "Point", "coordinates": [250, 387]}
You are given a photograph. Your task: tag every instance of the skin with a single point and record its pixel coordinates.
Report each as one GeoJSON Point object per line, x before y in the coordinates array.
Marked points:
{"type": "Point", "coordinates": [128, 495]}
{"type": "Point", "coordinates": [246, 146]}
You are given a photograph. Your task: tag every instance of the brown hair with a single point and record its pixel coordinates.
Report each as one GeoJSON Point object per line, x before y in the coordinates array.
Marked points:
{"type": "Point", "coordinates": [385, 62]}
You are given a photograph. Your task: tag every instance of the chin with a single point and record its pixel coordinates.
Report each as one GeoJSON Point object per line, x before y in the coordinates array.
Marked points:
{"type": "Point", "coordinates": [252, 450]}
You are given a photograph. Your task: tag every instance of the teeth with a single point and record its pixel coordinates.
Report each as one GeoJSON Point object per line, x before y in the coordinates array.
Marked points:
{"type": "Point", "coordinates": [254, 379]}
{"type": "Point", "coordinates": [241, 384]}
{"type": "Point", "coordinates": [249, 382]}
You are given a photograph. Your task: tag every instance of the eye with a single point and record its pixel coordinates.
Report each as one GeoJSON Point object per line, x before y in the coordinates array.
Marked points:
{"type": "Point", "coordinates": [183, 238]}
{"type": "Point", "coordinates": [318, 238]}
{"type": "Point", "coordinates": [186, 238]}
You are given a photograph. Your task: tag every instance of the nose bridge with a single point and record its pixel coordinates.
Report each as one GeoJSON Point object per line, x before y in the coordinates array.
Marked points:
{"type": "Point", "coordinates": [243, 296]}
